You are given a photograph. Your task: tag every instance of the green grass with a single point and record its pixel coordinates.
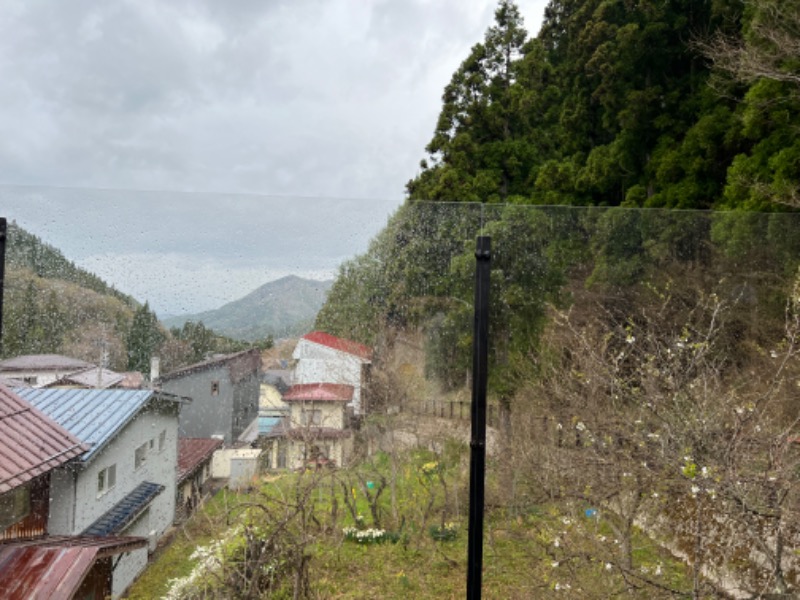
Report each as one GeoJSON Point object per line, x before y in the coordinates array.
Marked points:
{"type": "Point", "coordinates": [525, 556]}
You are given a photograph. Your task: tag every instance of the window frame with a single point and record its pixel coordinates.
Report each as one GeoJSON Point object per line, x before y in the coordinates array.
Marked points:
{"type": "Point", "coordinates": [106, 479]}
{"type": "Point", "coordinates": [140, 456]}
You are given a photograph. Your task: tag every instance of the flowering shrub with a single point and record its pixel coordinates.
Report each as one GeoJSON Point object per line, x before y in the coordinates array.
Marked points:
{"type": "Point", "coordinates": [446, 533]}
{"type": "Point", "coordinates": [364, 536]}
{"type": "Point", "coordinates": [429, 468]}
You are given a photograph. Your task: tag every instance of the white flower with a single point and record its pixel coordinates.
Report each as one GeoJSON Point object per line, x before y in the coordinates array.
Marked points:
{"type": "Point", "coordinates": [554, 564]}
{"type": "Point", "coordinates": [556, 543]}
{"type": "Point", "coordinates": [630, 339]}
{"type": "Point", "coordinates": [609, 566]}
{"type": "Point", "coordinates": [580, 426]}
{"type": "Point", "coordinates": [695, 490]}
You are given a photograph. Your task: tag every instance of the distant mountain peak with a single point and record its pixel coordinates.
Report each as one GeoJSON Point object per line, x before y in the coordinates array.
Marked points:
{"type": "Point", "coordinates": [284, 307]}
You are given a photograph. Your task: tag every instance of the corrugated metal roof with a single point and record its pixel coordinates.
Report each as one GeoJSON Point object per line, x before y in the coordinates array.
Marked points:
{"type": "Point", "coordinates": [90, 377]}
{"type": "Point", "coordinates": [266, 424]}
{"type": "Point", "coordinates": [93, 416]}
{"type": "Point", "coordinates": [331, 341]}
{"type": "Point", "coordinates": [40, 573]}
{"type": "Point", "coordinates": [54, 567]}
{"type": "Point", "coordinates": [192, 452]}
{"type": "Point", "coordinates": [30, 443]}
{"type": "Point", "coordinates": [319, 392]}
{"type": "Point", "coordinates": [43, 362]}
{"type": "Point", "coordinates": [125, 511]}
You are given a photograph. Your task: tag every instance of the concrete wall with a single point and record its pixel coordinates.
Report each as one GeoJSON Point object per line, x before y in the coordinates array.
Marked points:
{"type": "Point", "coordinates": [225, 414]}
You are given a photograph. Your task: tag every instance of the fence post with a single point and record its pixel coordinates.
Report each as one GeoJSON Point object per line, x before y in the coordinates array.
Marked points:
{"type": "Point", "coordinates": [480, 343]}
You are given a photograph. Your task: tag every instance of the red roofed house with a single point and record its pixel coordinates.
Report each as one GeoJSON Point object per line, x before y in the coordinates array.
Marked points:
{"type": "Point", "coordinates": [315, 431]}
{"type": "Point", "coordinates": [33, 564]}
{"type": "Point", "coordinates": [31, 445]}
{"type": "Point", "coordinates": [194, 470]}
{"type": "Point", "coordinates": [323, 358]}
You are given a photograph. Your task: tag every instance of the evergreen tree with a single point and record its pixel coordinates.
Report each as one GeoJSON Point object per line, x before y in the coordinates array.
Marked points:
{"type": "Point", "coordinates": [144, 338]}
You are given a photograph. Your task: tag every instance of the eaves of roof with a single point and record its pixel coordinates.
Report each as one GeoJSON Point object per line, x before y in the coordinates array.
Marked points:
{"type": "Point", "coordinates": [93, 416]}
{"type": "Point", "coordinates": [31, 443]}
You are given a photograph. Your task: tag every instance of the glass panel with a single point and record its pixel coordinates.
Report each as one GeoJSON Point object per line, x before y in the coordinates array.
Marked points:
{"type": "Point", "coordinates": [642, 379]}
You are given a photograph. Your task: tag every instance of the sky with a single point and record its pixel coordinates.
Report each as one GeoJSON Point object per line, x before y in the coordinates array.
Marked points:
{"type": "Point", "coordinates": [190, 151]}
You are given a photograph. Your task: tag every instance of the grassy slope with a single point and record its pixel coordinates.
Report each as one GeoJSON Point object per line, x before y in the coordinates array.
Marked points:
{"type": "Point", "coordinates": [520, 558]}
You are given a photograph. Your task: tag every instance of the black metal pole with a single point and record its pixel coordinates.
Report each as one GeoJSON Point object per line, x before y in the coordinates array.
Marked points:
{"type": "Point", "coordinates": [3, 236]}
{"type": "Point", "coordinates": [480, 343]}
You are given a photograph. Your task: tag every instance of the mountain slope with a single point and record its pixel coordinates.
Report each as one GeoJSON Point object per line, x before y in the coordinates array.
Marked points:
{"type": "Point", "coordinates": [280, 308]}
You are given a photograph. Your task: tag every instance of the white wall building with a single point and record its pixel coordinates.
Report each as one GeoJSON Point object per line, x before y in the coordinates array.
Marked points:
{"type": "Point", "coordinates": [323, 358]}
{"type": "Point", "coordinates": [126, 483]}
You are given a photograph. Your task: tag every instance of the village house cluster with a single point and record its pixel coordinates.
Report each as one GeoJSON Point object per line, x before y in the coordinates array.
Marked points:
{"type": "Point", "coordinates": [96, 467]}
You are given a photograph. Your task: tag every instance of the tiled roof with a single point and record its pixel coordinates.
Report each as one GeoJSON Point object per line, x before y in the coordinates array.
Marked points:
{"type": "Point", "coordinates": [30, 443]}
{"type": "Point", "coordinates": [319, 392]}
{"type": "Point", "coordinates": [341, 344]}
{"type": "Point", "coordinates": [93, 416]}
{"type": "Point", "coordinates": [43, 362]}
{"type": "Point", "coordinates": [193, 452]}
{"type": "Point", "coordinates": [55, 567]}
{"type": "Point", "coordinates": [125, 511]}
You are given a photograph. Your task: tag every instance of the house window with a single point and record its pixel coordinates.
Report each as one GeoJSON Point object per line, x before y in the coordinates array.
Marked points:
{"type": "Point", "coordinates": [14, 506]}
{"type": "Point", "coordinates": [215, 388]}
{"type": "Point", "coordinates": [106, 479]}
{"type": "Point", "coordinates": [140, 456]}
{"type": "Point", "coordinates": [162, 440]}
{"type": "Point", "coordinates": [312, 417]}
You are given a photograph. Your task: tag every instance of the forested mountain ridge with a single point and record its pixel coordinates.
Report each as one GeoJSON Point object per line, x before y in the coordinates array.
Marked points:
{"type": "Point", "coordinates": [617, 103]}
{"type": "Point", "coordinates": [27, 251]}
{"type": "Point", "coordinates": [51, 306]}
{"type": "Point", "coordinates": [282, 308]}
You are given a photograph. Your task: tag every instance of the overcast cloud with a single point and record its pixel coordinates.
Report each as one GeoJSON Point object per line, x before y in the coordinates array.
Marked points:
{"type": "Point", "coordinates": [282, 131]}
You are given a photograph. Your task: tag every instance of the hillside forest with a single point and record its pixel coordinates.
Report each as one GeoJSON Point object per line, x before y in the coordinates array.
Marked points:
{"type": "Point", "coordinates": [636, 165]}
{"type": "Point", "coordinates": [52, 306]}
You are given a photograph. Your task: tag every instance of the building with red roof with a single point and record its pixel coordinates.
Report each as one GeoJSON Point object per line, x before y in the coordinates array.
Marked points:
{"type": "Point", "coordinates": [324, 358]}
{"type": "Point", "coordinates": [194, 471]}
{"type": "Point", "coordinates": [316, 431]}
{"type": "Point", "coordinates": [32, 563]}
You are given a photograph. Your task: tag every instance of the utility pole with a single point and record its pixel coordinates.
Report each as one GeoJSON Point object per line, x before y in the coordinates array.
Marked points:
{"type": "Point", "coordinates": [477, 472]}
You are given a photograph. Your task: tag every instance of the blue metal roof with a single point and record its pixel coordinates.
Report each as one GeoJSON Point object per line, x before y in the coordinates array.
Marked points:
{"type": "Point", "coordinates": [265, 424]}
{"type": "Point", "coordinates": [125, 511]}
{"type": "Point", "coordinates": [92, 416]}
